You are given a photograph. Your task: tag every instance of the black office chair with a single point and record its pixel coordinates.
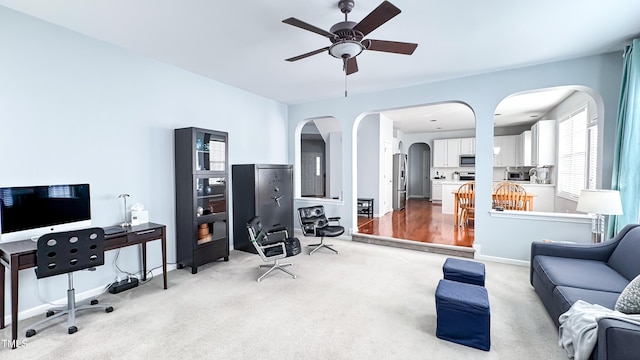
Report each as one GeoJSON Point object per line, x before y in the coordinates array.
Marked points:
{"type": "Point", "coordinates": [314, 223]}
{"type": "Point", "coordinates": [278, 247]}
{"type": "Point", "coordinates": [64, 253]}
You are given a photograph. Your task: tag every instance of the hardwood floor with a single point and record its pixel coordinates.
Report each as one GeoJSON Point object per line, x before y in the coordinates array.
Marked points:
{"type": "Point", "coordinates": [422, 221]}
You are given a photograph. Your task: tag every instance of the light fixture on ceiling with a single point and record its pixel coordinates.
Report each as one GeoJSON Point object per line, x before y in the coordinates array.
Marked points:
{"type": "Point", "coordinates": [346, 49]}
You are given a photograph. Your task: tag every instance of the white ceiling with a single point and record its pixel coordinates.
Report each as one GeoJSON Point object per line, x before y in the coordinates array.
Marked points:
{"type": "Point", "coordinates": [244, 43]}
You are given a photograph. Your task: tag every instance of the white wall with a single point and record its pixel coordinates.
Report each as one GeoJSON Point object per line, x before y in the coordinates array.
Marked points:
{"type": "Point", "coordinates": [482, 93]}
{"type": "Point", "coordinates": [385, 175]}
{"type": "Point", "coordinates": [369, 168]}
{"type": "Point", "coordinates": [77, 110]}
{"type": "Point", "coordinates": [334, 172]}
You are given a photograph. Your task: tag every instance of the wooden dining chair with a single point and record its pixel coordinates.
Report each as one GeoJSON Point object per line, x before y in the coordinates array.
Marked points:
{"type": "Point", "coordinates": [466, 203]}
{"type": "Point", "coordinates": [510, 196]}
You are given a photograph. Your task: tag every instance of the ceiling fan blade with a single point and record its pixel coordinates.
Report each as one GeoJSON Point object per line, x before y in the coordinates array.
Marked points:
{"type": "Point", "coordinates": [311, 53]}
{"type": "Point", "coordinates": [380, 15]}
{"type": "Point", "coordinates": [351, 66]}
{"type": "Point", "coordinates": [303, 25]}
{"type": "Point", "coordinates": [390, 46]}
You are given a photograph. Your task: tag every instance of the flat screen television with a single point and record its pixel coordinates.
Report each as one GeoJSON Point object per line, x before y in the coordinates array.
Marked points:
{"type": "Point", "coordinates": [31, 211]}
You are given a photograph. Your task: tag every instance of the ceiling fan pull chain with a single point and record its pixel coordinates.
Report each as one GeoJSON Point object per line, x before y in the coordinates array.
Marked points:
{"type": "Point", "coordinates": [344, 67]}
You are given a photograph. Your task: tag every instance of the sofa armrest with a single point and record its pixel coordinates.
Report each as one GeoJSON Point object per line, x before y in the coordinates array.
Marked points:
{"type": "Point", "coordinates": [598, 252]}
{"type": "Point", "coordinates": [617, 340]}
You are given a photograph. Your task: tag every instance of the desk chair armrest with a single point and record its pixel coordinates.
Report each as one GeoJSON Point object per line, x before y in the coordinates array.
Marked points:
{"type": "Point", "coordinates": [335, 218]}
{"type": "Point", "coordinates": [281, 244]}
{"type": "Point", "coordinates": [279, 230]}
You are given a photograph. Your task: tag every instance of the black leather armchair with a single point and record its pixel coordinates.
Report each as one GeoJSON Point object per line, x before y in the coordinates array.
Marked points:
{"type": "Point", "coordinates": [314, 222]}
{"type": "Point", "coordinates": [272, 246]}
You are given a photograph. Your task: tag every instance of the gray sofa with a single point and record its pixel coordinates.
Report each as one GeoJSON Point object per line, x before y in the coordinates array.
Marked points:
{"type": "Point", "coordinates": [563, 273]}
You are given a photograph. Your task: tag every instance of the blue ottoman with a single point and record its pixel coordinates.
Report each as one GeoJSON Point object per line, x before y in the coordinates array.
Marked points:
{"type": "Point", "coordinates": [465, 271]}
{"type": "Point", "coordinates": [463, 315]}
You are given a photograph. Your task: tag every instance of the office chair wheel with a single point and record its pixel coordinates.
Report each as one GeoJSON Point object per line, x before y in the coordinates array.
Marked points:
{"type": "Point", "coordinates": [109, 309]}
{"type": "Point", "coordinates": [72, 329]}
{"type": "Point", "coordinates": [94, 302]}
{"type": "Point", "coordinates": [49, 313]}
{"type": "Point", "coordinates": [30, 333]}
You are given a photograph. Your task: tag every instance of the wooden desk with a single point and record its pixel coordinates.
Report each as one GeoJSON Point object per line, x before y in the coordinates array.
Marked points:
{"type": "Point", "coordinates": [528, 200]}
{"type": "Point", "coordinates": [20, 255]}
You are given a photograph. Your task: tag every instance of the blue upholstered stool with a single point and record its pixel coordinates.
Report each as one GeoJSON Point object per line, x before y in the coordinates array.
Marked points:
{"type": "Point", "coordinates": [465, 271]}
{"type": "Point", "coordinates": [463, 315]}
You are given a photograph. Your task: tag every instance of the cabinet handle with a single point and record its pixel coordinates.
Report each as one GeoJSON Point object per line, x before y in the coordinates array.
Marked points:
{"type": "Point", "coordinates": [144, 232]}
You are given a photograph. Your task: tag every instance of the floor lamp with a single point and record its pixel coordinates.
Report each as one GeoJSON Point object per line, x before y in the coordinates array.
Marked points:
{"type": "Point", "coordinates": [599, 203]}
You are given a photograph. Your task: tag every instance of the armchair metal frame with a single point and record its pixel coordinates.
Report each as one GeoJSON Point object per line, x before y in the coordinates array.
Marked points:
{"type": "Point", "coordinates": [269, 251]}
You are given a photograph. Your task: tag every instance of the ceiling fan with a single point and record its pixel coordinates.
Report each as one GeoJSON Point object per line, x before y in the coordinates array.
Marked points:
{"type": "Point", "coordinates": [347, 37]}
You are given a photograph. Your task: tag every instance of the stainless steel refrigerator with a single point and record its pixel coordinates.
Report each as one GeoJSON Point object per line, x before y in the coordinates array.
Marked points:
{"type": "Point", "coordinates": [399, 181]}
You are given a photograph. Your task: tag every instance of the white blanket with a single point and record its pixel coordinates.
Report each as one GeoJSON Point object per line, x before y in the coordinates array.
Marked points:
{"type": "Point", "coordinates": [579, 327]}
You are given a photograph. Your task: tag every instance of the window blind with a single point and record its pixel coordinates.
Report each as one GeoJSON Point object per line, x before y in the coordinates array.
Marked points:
{"type": "Point", "coordinates": [573, 147]}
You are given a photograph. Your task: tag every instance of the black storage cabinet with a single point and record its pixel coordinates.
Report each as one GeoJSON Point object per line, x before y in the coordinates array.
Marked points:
{"type": "Point", "coordinates": [261, 190]}
{"type": "Point", "coordinates": [202, 209]}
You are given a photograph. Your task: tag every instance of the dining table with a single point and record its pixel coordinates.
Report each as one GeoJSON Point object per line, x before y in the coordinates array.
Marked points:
{"type": "Point", "coordinates": [528, 203]}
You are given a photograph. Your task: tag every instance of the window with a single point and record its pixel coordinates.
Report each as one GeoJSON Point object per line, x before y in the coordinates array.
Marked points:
{"type": "Point", "coordinates": [577, 154]}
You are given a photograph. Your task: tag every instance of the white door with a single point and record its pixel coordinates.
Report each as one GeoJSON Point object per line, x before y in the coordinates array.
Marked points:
{"type": "Point", "coordinates": [388, 178]}
{"type": "Point", "coordinates": [311, 184]}
{"type": "Point", "coordinates": [425, 175]}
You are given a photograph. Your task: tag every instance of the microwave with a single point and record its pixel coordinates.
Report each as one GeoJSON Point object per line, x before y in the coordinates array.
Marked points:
{"type": "Point", "coordinates": [467, 161]}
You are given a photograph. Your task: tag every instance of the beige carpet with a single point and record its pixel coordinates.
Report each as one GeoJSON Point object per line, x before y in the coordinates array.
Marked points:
{"type": "Point", "coordinates": [368, 302]}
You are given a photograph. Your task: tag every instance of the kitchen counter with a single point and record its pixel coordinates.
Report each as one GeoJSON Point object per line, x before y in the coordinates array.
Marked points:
{"type": "Point", "coordinates": [526, 183]}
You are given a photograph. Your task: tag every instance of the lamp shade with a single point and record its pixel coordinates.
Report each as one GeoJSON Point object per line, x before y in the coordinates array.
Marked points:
{"type": "Point", "coordinates": [603, 202]}
{"type": "Point", "coordinates": [345, 49]}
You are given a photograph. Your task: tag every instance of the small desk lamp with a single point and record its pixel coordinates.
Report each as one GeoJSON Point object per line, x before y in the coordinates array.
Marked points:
{"type": "Point", "coordinates": [124, 197]}
{"type": "Point", "coordinates": [599, 203]}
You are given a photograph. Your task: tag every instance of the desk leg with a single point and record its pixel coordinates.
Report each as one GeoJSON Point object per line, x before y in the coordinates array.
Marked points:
{"type": "Point", "coordinates": [164, 259]}
{"type": "Point", "coordinates": [144, 261]}
{"type": "Point", "coordinates": [14, 301]}
{"type": "Point", "coordinates": [2, 293]}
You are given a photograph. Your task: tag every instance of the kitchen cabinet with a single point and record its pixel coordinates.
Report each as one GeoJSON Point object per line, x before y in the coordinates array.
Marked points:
{"type": "Point", "coordinates": [448, 187]}
{"type": "Point", "coordinates": [507, 155]}
{"type": "Point", "coordinates": [523, 149]}
{"type": "Point", "coordinates": [436, 190]}
{"type": "Point", "coordinates": [545, 196]}
{"type": "Point", "coordinates": [446, 153]}
{"type": "Point", "coordinates": [467, 146]}
{"type": "Point", "coordinates": [543, 143]}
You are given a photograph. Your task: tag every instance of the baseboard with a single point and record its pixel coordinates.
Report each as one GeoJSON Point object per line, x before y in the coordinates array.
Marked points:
{"type": "Point", "coordinates": [41, 309]}
{"type": "Point", "coordinates": [497, 259]}
{"type": "Point", "coordinates": [415, 245]}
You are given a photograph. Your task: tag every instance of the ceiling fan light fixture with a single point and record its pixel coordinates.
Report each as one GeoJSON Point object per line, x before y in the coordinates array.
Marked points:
{"type": "Point", "coordinates": [345, 49]}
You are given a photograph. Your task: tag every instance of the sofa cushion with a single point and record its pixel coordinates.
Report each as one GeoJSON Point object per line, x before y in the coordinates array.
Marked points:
{"type": "Point", "coordinates": [624, 258]}
{"type": "Point", "coordinates": [565, 296]}
{"type": "Point", "coordinates": [629, 300]}
{"type": "Point", "coordinates": [585, 274]}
